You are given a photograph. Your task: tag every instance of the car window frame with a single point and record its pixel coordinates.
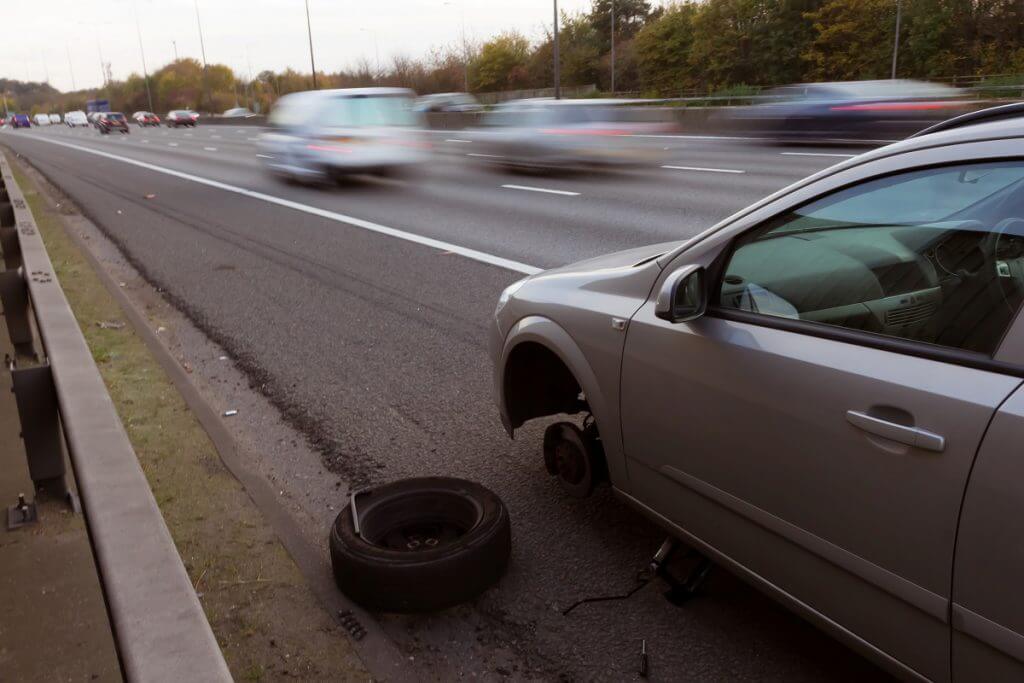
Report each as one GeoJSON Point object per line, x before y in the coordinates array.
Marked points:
{"type": "Point", "coordinates": [714, 248]}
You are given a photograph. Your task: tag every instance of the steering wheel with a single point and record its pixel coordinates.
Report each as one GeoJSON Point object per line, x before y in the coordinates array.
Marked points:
{"type": "Point", "coordinates": [1009, 272]}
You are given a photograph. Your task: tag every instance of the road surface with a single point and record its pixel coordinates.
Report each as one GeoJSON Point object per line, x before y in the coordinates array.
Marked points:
{"type": "Point", "coordinates": [370, 335]}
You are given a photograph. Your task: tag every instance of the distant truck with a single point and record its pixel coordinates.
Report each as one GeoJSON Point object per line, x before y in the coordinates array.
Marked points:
{"type": "Point", "coordinates": [97, 106]}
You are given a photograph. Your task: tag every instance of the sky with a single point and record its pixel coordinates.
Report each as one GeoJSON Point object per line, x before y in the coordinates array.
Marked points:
{"type": "Point", "coordinates": [63, 39]}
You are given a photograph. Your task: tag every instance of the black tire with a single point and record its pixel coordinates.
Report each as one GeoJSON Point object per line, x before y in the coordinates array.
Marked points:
{"type": "Point", "coordinates": [398, 563]}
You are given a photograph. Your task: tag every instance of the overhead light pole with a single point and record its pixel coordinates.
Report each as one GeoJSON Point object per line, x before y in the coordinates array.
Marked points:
{"type": "Point", "coordinates": [202, 51]}
{"type": "Point", "coordinates": [309, 30]}
{"type": "Point", "coordinates": [558, 72]}
{"type": "Point", "coordinates": [142, 53]}
{"type": "Point", "coordinates": [175, 44]}
{"type": "Point", "coordinates": [896, 38]}
{"type": "Point", "coordinates": [613, 46]}
{"type": "Point", "coordinates": [71, 68]}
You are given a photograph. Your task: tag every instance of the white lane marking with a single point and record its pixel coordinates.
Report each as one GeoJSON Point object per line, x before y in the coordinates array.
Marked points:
{"type": "Point", "coordinates": [815, 154]}
{"type": "Point", "coordinates": [240, 132]}
{"type": "Point", "coordinates": [486, 156]}
{"type": "Point", "coordinates": [172, 144]}
{"type": "Point", "coordinates": [146, 142]}
{"type": "Point", "coordinates": [264, 156]}
{"type": "Point", "coordinates": [457, 140]}
{"type": "Point", "coordinates": [541, 189]}
{"type": "Point", "coordinates": [466, 252]}
{"type": "Point", "coordinates": [188, 135]}
{"type": "Point", "coordinates": [253, 139]}
{"type": "Point", "coordinates": [215, 137]}
{"type": "Point", "coordinates": [210, 149]}
{"type": "Point", "coordinates": [706, 170]}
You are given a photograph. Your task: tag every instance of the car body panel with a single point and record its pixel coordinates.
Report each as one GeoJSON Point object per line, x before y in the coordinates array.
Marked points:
{"type": "Point", "coordinates": [21, 121]}
{"type": "Point", "coordinates": [988, 611]}
{"type": "Point", "coordinates": [854, 530]}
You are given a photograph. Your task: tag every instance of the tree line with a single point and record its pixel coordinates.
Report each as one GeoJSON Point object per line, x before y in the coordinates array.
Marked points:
{"type": "Point", "coordinates": [688, 47]}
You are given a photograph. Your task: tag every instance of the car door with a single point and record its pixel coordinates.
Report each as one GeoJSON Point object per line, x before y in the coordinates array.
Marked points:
{"type": "Point", "coordinates": [817, 426]}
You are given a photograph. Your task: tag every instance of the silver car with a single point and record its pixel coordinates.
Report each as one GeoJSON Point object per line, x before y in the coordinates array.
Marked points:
{"type": "Point", "coordinates": [822, 394]}
{"type": "Point", "coordinates": [327, 134]}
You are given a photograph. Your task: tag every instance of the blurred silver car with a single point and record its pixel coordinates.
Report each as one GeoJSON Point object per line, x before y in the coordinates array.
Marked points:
{"type": "Point", "coordinates": [822, 393]}
{"type": "Point", "coordinates": [546, 133]}
{"type": "Point", "coordinates": [327, 134]}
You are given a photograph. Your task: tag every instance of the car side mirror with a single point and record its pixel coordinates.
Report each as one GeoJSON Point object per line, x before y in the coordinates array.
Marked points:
{"type": "Point", "coordinates": [683, 295]}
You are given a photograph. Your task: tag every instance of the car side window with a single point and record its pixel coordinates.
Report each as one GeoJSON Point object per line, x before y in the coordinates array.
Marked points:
{"type": "Point", "coordinates": [933, 256]}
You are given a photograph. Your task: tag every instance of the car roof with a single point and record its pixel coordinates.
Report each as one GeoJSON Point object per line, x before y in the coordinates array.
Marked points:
{"type": "Point", "coordinates": [353, 92]}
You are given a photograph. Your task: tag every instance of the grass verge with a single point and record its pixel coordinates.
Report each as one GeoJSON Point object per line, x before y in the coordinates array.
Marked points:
{"type": "Point", "coordinates": [268, 623]}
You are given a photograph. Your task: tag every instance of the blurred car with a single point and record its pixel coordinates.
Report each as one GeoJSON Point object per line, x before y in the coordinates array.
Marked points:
{"type": "Point", "coordinates": [325, 134]}
{"type": "Point", "coordinates": [822, 394]}
{"type": "Point", "coordinates": [55, 118]}
{"type": "Point", "coordinates": [546, 133]}
{"type": "Point", "coordinates": [20, 121]}
{"type": "Point", "coordinates": [181, 117]}
{"type": "Point", "coordinates": [112, 121]}
{"type": "Point", "coordinates": [853, 110]}
{"type": "Point", "coordinates": [238, 113]}
{"type": "Point", "coordinates": [92, 116]}
{"type": "Point", "coordinates": [73, 119]}
{"type": "Point", "coordinates": [41, 119]}
{"type": "Point", "coordinates": [448, 101]}
{"type": "Point", "coordinates": [145, 118]}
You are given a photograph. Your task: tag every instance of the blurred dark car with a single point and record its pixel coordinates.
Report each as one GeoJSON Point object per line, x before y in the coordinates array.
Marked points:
{"type": "Point", "coordinates": [181, 117]}
{"type": "Point", "coordinates": [112, 121]}
{"type": "Point", "coordinates": [21, 121]}
{"type": "Point", "coordinates": [853, 110]}
{"type": "Point", "coordinates": [447, 101]}
{"type": "Point", "coordinates": [554, 134]}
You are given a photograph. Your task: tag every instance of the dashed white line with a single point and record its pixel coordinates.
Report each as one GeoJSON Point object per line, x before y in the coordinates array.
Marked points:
{"type": "Point", "coordinates": [264, 156]}
{"type": "Point", "coordinates": [215, 137]}
{"type": "Point", "coordinates": [188, 135]}
{"type": "Point", "coordinates": [706, 170]}
{"type": "Point", "coordinates": [210, 149]}
{"type": "Point", "coordinates": [172, 144]}
{"type": "Point", "coordinates": [457, 140]}
{"type": "Point", "coordinates": [527, 188]}
{"type": "Point", "coordinates": [145, 142]}
{"type": "Point", "coordinates": [486, 156]}
{"type": "Point", "coordinates": [815, 154]}
{"type": "Point", "coordinates": [440, 245]}
{"type": "Point", "coordinates": [253, 139]}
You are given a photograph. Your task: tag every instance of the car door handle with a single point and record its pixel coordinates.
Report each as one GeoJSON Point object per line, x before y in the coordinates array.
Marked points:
{"type": "Point", "coordinates": [912, 436]}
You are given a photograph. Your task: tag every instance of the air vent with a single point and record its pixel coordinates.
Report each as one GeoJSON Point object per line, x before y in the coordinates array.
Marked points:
{"type": "Point", "coordinates": [910, 315]}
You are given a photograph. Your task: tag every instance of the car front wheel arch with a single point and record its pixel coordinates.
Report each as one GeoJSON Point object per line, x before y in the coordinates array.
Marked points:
{"type": "Point", "coordinates": [538, 383]}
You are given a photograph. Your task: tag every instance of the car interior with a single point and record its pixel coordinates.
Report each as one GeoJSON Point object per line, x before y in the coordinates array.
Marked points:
{"type": "Point", "coordinates": [934, 256]}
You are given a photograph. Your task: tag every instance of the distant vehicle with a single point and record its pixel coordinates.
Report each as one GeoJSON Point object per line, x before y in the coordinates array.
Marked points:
{"type": "Point", "coordinates": [238, 113]}
{"type": "Point", "coordinates": [55, 118]}
{"type": "Point", "coordinates": [109, 122]}
{"type": "Point", "coordinates": [75, 118]}
{"type": "Point", "coordinates": [92, 116]}
{"type": "Point", "coordinates": [544, 133]}
{"type": "Point", "coordinates": [97, 106]}
{"type": "Point", "coordinates": [326, 134]}
{"type": "Point", "coordinates": [181, 117]}
{"type": "Point", "coordinates": [41, 119]}
{"type": "Point", "coordinates": [821, 393]}
{"type": "Point", "coordinates": [146, 118]}
{"type": "Point", "coordinates": [853, 110]}
{"type": "Point", "coordinates": [448, 101]}
{"type": "Point", "coordinates": [20, 121]}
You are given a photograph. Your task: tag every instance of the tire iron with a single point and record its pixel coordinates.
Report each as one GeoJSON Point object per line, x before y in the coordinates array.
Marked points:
{"type": "Point", "coordinates": [643, 658]}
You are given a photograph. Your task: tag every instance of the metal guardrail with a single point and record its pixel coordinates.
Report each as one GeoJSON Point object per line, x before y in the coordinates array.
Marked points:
{"type": "Point", "coordinates": [160, 630]}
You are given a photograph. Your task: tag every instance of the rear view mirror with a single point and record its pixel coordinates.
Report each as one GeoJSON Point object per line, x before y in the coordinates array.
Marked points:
{"type": "Point", "coordinates": [683, 295]}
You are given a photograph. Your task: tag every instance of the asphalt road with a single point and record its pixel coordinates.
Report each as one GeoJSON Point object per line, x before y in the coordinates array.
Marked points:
{"type": "Point", "coordinates": [375, 345]}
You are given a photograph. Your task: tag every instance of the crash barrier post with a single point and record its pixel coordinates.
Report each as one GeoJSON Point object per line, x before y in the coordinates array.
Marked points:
{"type": "Point", "coordinates": [159, 627]}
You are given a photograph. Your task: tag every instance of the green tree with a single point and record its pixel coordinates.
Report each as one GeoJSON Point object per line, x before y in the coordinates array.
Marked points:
{"type": "Point", "coordinates": [501, 64]}
{"type": "Point", "coordinates": [853, 40]}
{"type": "Point", "coordinates": [663, 51]}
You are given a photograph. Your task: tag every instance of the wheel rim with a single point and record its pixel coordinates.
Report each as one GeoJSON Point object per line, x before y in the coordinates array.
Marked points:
{"type": "Point", "coordinates": [570, 463]}
{"type": "Point", "coordinates": [419, 522]}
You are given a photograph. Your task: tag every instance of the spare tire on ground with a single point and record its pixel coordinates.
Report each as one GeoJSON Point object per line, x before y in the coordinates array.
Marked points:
{"type": "Point", "coordinates": [421, 544]}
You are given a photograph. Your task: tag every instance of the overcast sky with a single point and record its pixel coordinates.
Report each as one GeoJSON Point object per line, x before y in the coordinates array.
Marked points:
{"type": "Point", "coordinates": [37, 36]}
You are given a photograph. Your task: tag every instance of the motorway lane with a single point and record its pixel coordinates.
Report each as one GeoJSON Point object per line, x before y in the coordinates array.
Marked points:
{"type": "Point", "coordinates": [376, 348]}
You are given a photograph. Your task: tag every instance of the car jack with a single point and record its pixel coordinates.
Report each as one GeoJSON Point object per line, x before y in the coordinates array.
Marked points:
{"type": "Point", "coordinates": [679, 590]}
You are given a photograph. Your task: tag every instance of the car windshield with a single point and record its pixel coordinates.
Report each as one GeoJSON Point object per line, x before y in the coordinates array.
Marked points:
{"type": "Point", "coordinates": [115, 117]}
{"type": "Point", "coordinates": [367, 110]}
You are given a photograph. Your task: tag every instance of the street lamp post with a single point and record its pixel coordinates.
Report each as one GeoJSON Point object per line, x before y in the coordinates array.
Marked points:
{"type": "Point", "coordinates": [142, 53]}
{"type": "Point", "coordinates": [896, 38]}
{"type": "Point", "coordinates": [613, 46]}
{"type": "Point", "coordinates": [309, 30]}
{"type": "Point", "coordinates": [175, 44]}
{"type": "Point", "coordinates": [71, 68]}
{"type": "Point", "coordinates": [202, 51]}
{"type": "Point", "coordinates": [558, 74]}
